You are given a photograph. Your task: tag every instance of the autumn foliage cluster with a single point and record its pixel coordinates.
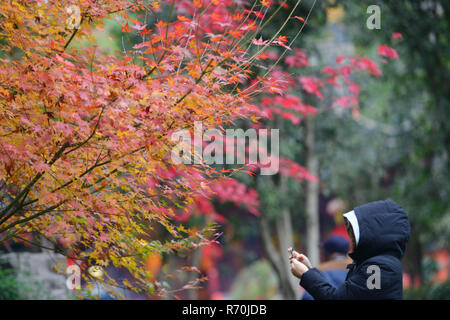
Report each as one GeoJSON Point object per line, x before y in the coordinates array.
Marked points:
{"type": "Point", "coordinates": [84, 133]}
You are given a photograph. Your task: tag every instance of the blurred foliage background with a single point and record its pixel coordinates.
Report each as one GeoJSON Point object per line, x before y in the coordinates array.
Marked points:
{"type": "Point", "coordinates": [399, 148]}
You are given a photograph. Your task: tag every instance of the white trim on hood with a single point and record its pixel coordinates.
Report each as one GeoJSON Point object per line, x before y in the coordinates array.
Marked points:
{"type": "Point", "coordinates": [351, 216]}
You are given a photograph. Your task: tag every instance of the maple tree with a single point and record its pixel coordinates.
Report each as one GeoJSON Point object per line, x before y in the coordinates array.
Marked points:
{"type": "Point", "coordinates": [85, 133]}
{"type": "Point", "coordinates": [287, 103]}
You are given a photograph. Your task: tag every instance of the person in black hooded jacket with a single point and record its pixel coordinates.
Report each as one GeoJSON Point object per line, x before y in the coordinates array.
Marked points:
{"type": "Point", "coordinates": [379, 231]}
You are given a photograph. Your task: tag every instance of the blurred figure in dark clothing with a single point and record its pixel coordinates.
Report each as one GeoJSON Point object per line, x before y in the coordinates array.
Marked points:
{"type": "Point", "coordinates": [334, 269]}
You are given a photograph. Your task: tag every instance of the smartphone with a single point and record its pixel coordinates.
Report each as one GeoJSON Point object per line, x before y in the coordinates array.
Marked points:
{"type": "Point", "coordinates": [291, 250]}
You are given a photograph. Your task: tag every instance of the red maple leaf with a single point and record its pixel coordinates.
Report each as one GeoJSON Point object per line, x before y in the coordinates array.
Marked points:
{"type": "Point", "coordinates": [388, 52]}
{"type": "Point", "coordinates": [126, 28]}
{"type": "Point", "coordinates": [299, 59]}
{"type": "Point", "coordinates": [311, 85]}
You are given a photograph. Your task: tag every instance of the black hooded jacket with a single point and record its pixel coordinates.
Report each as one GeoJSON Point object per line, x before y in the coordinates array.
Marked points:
{"type": "Point", "coordinates": [384, 232]}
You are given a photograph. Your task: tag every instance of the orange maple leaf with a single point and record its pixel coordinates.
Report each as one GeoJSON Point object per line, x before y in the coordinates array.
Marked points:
{"type": "Point", "coordinates": [282, 39]}
{"type": "Point", "coordinates": [266, 3]}
{"type": "Point", "coordinates": [300, 18]}
{"type": "Point", "coordinates": [183, 18]}
{"type": "Point", "coordinates": [250, 173]}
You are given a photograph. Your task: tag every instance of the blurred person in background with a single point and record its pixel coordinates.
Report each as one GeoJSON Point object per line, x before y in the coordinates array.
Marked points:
{"type": "Point", "coordinates": [334, 269]}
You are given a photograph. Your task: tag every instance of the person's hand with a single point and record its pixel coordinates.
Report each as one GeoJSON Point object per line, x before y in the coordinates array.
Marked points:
{"type": "Point", "coordinates": [297, 268]}
{"type": "Point", "coordinates": [302, 258]}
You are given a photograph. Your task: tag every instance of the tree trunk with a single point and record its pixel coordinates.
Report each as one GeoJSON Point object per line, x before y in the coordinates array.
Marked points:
{"type": "Point", "coordinates": [285, 240]}
{"type": "Point", "coordinates": [279, 260]}
{"type": "Point", "coordinates": [312, 195]}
